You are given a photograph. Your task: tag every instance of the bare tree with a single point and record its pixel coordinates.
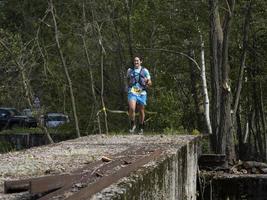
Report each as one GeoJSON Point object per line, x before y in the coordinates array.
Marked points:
{"type": "Point", "coordinates": [21, 66]}
{"type": "Point", "coordinates": [27, 88]}
{"type": "Point", "coordinates": [235, 115]}
{"type": "Point", "coordinates": [102, 53]}
{"type": "Point", "coordinates": [90, 69]}
{"type": "Point", "coordinates": [53, 12]}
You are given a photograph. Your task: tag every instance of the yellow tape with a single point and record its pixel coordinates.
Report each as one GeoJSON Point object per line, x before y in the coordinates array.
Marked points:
{"type": "Point", "coordinates": [122, 111]}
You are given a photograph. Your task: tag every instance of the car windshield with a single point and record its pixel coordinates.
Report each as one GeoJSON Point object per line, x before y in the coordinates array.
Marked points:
{"type": "Point", "coordinates": [14, 112]}
{"type": "Point", "coordinates": [9, 112]}
{"type": "Point", "coordinates": [56, 118]}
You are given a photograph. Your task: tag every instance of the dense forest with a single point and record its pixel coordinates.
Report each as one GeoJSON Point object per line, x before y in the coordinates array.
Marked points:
{"type": "Point", "coordinates": [73, 55]}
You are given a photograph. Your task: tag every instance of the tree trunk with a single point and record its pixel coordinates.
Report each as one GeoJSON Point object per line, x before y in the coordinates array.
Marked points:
{"type": "Point", "coordinates": [221, 92]}
{"type": "Point", "coordinates": [205, 88]}
{"type": "Point", "coordinates": [195, 92]}
{"type": "Point", "coordinates": [243, 57]}
{"type": "Point", "coordinates": [129, 27]}
{"type": "Point", "coordinates": [102, 91]}
{"type": "Point", "coordinates": [121, 62]}
{"type": "Point", "coordinates": [102, 53]}
{"type": "Point", "coordinates": [263, 122]}
{"type": "Point", "coordinates": [216, 39]}
{"type": "Point", "coordinates": [65, 70]}
{"type": "Point", "coordinates": [90, 71]}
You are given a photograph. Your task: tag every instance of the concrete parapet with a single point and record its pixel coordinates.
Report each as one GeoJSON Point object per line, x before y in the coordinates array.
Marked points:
{"type": "Point", "coordinates": [171, 176]}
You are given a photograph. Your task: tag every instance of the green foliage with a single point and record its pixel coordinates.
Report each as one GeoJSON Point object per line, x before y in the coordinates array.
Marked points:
{"type": "Point", "coordinates": [205, 145]}
{"type": "Point", "coordinates": [176, 131]}
{"type": "Point", "coordinates": [67, 129]}
{"type": "Point", "coordinates": [195, 132]}
{"type": "Point", "coordinates": [169, 110]}
{"type": "Point", "coordinates": [154, 25]}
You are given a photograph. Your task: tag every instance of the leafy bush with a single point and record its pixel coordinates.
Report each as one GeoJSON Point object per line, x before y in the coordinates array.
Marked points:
{"type": "Point", "coordinates": [169, 111]}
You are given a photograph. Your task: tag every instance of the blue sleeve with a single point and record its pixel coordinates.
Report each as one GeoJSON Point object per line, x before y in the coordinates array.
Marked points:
{"type": "Point", "coordinates": [147, 74]}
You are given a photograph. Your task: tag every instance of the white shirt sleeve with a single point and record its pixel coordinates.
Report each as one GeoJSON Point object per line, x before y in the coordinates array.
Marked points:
{"type": "Point", "coordinates": [128, 73]}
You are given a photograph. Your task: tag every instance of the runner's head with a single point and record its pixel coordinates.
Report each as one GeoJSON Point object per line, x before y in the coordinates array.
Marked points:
{"type": "Point", "coordinates": [137, 61]}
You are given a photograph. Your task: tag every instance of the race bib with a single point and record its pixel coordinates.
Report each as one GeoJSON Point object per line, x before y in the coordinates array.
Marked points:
{"type": "Point", "coordinates": [136, 90]}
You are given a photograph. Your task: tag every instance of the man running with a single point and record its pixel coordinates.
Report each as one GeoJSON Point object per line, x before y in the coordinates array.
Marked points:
{"type": "Point", "coordinates": [139, 80]}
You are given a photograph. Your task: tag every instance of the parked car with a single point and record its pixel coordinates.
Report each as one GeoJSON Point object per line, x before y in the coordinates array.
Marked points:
{"type": "Point", "coordinates": [10, 118]}
{"type": "Point", "coordinates": [27, 112]}
{"type": "Point", "coordinates": [53, 120]}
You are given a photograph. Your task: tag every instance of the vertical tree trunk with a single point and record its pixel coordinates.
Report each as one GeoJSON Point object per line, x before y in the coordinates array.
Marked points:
{"type": "Point", "coordinates": [65, 70]}
{"type": "Point", "coordinates": [205, 88]}
{"type": "Point", "coordinates": [216, 39]}
{"type": "Point", "coordinates": [90, 71]}
{"type": "Point", "coordinates": [200, 92]}
{"type": "Point", "coordinates": [235, 115]}
{"type": "Point", "coordinates": [221, 91]}
{"type": "Point", "coordinates": [129, 27]}
{"type": "Point", "coordinates": [122, 64]}
{"type": "Point", "coordinates": [243, 57]}
{"type": "Point", "coordinates": [102, 53]}
{"type": "Point", "coordinates": [263, 122]}
{"type": "Point", "coordinates": [195, 91]}
{"type": "Point", "coordinates": [257, 121]}
{"type": "Point", "coordinates": [39, 46]}
{"type": "Point", "coordinates": [226, 121]}
{"type": "Point", "coordinates": [92, 84]}
{"type": "Point", "coordinates": [102, 90]}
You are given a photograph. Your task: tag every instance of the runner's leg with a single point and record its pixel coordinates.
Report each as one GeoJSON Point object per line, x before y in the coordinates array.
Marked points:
{"type": "Point", "coordinates": [141, 109]}
{"type": "Point", "coordinates": [132, 107]}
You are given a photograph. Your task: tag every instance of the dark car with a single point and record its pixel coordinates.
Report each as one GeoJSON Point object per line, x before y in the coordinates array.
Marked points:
{"type": "Point", "coordinates": [10, 118]}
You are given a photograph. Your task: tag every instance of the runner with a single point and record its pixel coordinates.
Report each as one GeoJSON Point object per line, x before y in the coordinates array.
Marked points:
{"type": "Point", "coordinates": [139, 80]}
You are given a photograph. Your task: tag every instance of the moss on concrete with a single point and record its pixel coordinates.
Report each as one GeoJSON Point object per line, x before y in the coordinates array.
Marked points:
{"type": "Point", "coordinates": [165, 179]}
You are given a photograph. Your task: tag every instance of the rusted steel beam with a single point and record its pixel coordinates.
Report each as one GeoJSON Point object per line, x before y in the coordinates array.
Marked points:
{"type": "Point", "coordinates": [39, 184]}
{"type": "Point", "coordinates": [134, 150]}
{"type": "Point", "coordinates": [16, 186]}
{"type": "Point", "coordinates": [24, 185]}
{"type": "Point", "coordinates": [95, 182]}
{"type": "Point", "coordinates": [104, 182]}
{"type": "Point", "coordinates": [49, 183]}
{"type": "Point", "coordinates": [92, 174]}
{"type": "Point", "coordinates": [89, 176]}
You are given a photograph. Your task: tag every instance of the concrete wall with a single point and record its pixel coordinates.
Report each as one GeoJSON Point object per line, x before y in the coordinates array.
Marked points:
{"type": "Point", "coordinates": [173, 177]}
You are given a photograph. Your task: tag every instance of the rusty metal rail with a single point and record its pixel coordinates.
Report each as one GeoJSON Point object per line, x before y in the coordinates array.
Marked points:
{"type": "Point", "coordinates": [85, 182]}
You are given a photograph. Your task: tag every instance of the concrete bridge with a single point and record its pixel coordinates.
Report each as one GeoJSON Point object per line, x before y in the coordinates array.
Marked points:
{"type": "Point", "coordinates": [103, 167]}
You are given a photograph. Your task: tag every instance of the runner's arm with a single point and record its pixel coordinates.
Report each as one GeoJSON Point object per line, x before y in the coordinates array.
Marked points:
{"type": "Point", "coordinates": [148, 79]}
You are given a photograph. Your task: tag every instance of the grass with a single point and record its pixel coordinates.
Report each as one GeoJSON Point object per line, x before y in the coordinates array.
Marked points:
{"type": "Point", "coordinates": [6, 147]}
